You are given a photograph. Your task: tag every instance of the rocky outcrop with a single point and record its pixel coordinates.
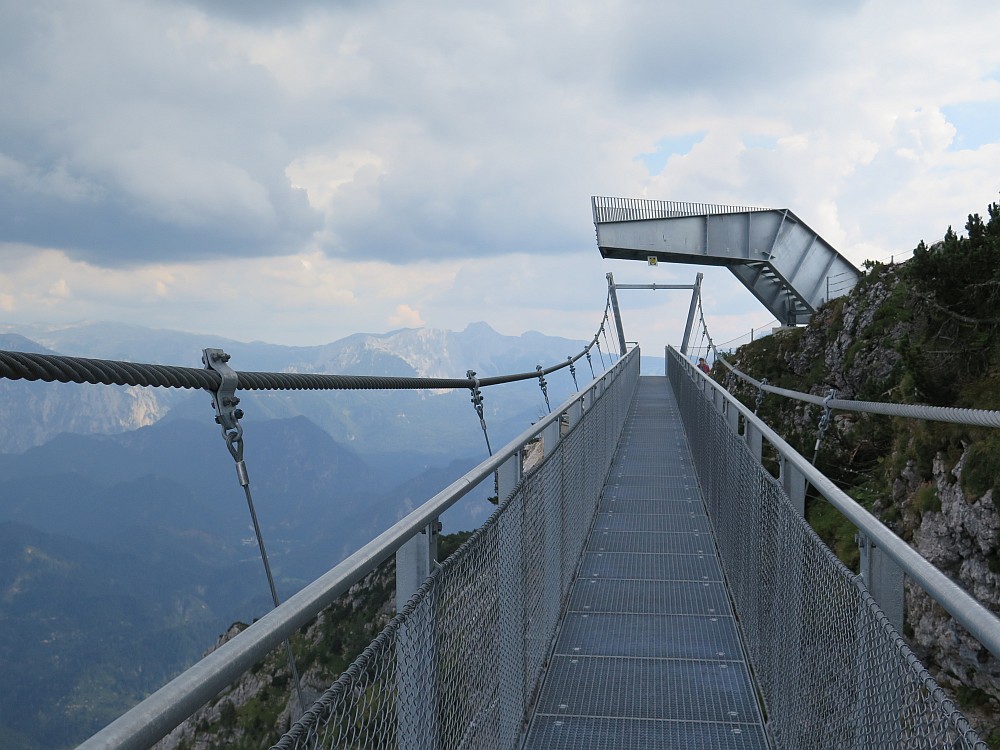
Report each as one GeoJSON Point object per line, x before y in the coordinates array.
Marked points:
{"type": "Point", "coordinates": [882, 343]}
{"type": "Point", "coordinates": [963, 540]}
{"type": "Point", "coordinates": [263, 703]}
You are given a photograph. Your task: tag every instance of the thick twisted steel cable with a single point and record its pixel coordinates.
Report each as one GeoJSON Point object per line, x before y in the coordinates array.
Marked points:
{"type": "Point", "coordinates": [951, 414]}
{"type": "Point", "coordinates": [63, 369]}
{"type": "Point", "coordinates": [58, 368]}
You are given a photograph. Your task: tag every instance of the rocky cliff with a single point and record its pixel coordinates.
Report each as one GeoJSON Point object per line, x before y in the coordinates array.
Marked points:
{"type": "Point", "coordinates": [260, 706]}
{"type": "Point", "coordinates": [905, 335]}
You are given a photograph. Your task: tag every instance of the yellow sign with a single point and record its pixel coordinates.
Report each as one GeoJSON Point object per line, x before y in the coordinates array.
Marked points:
{"type": "Point", "coordinates": [651, 259]}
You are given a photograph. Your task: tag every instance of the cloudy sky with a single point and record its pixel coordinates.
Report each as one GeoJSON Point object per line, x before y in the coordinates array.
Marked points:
{"type": "Point", "coordinates": [294, 172]}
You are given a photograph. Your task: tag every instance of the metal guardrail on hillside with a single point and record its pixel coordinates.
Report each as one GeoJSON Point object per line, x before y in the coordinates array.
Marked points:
{"type": "Point", "coordinates": [453, 666]}
{"type": "Point", "coordinates": [832, 669]}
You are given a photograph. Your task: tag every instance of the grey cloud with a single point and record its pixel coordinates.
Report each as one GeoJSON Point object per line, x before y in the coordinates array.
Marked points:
{"type": "Point", "coordinates": [125, 145]}
{"type": "Point", "coordinates": [264, 11]}
{"type": "Point", "coordinates": [739, 52]}
{"type": "Point", "coordinates": [103, 227]}
{"type": "Point", "coordinates": [122, 146]}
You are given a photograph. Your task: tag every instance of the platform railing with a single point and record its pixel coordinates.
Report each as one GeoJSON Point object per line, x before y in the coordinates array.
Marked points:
{"type": "Point", "coordinates": [608, 209]}
{"type": "Point", "coordinates": [832, 670]}
{"type": "Point", "coordinates": [458, 666]}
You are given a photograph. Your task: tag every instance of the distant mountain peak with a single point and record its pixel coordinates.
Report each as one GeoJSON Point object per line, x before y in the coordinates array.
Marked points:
{"type": "Point", "coordinates": [480, 328]}
{"type": "Point", "coordinates": [15, 342]}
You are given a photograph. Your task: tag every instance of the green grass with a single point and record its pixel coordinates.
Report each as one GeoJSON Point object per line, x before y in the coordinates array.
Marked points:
{"type": "Point", "coordinates": [835, 530]}
{"type": "Point", "coordinates": [982, 468]}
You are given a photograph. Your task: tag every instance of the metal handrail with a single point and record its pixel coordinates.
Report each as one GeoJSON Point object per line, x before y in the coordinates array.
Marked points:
{"type": "Point", "coordinates": [607, 209]}
{"type": "Point", "coordinates": [970, 613]}
{"type": "Point", "coordinates": [950, 414]}
{"type": "Point", "coordinates": [157, 715]}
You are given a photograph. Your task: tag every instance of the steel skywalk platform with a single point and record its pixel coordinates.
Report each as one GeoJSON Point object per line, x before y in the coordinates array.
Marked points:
{"type": "Point", "coordinates": [786, 265]}
{"type": "Point", "coordinates": [648, 653]}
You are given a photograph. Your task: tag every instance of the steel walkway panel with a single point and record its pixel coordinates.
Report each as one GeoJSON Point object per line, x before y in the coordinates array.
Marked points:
{"type": "Point", "coordinates": [585, 733]}
{"type": "Point", "coordinates": [619, 492]}
{"type": "Point", "coordinates": [665, 521]}
{"type": "Point", "coordinates": [650, 597]}
{"type": "Point", "coordinates": [648, 653]}
{"type": "Point", "coordinates": [678, 689]}
{"type": "Point", "coordinates": [661, 567]}
{"type": "Point", "coordinates": [650, 635]}
{"type": "Point", "coordinates": [650, 542]}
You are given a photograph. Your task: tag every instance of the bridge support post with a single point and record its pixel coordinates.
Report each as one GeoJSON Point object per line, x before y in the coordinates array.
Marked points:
{"type": "Point", "coordinates": [755, 440]}
{"type": "Point", "coordinates": [618, 316]}
{"type": "Point", "coordinates": [795, 485]}
{"type": "Point", "coordinates": [509, 474]}
{"type": "Point", "coordinates": [719, 400]}
{"type": "Point", "coordinates": [575, 412]}
{"type": "Point", "coordinates": [884, 580]}
{"type": "Point", "coordinates": [695, 296]}
{"type": "Point", "coordinates": [510, 636]}
{"type": "Point", "coordinates": [732, 418]}
{"type": "Point", "coordinates": [416, 658]}
{"type": "Point", "coordinates": [551, 437]}
{"type": "Point", "coordinates": [414, 561]}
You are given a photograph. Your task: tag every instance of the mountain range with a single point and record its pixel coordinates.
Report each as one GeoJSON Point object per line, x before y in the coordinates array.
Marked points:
{"type": "Point", "coordinates": [125, 539]}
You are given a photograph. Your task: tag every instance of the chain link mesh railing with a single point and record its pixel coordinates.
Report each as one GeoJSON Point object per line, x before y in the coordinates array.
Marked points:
{"type": "Point", "coordinates": [833, 673]}
{"type": "Point", "coordinates": [459, 666]}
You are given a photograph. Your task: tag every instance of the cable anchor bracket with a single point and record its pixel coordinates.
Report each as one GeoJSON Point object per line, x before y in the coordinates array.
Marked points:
{"type": "Point", "coordinates": [760, 396]}
{"type": "Point", "coordinates": [225, 402]}
{"type": "Point", "coordinates": [824, 422]}
{"type": "Point", "coordinates": [544, 386]}
{"type": "Point", "coordinates": [572, 371]}
{"type": "Point", "coordinates": [477, 402]}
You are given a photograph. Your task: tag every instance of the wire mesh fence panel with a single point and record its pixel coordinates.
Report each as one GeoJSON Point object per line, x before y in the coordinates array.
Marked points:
{"type": "Point", "coordinates": [459, 666]}
{"type": "Point", "coordinates": [832, 672]}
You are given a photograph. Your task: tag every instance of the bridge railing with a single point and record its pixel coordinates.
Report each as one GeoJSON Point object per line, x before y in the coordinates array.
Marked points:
{"type": "Point", "coordinates": [832, 669]}
{"type": "Point", "coordinates": [458, 665]}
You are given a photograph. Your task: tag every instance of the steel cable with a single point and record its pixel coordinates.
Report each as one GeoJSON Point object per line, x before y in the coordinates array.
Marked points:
{"type": "Point", "coordinates": [59, 368]}
{"type": "Point", "coordinates": [53, 367]}
{"type": "Point", "coordinates": [952, 414]}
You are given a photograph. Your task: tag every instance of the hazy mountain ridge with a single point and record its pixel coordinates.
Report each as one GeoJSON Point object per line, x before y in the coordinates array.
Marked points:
{"type": "Point", "coordinates": [33, 413]}
{"type": "Point", "coordinates": [111, 583]}
{"type": "Point", "coordinates": [57, 594]}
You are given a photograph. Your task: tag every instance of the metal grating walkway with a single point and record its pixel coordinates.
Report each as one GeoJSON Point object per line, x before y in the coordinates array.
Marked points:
{"type": "Point", "coordinates": [648, 654]}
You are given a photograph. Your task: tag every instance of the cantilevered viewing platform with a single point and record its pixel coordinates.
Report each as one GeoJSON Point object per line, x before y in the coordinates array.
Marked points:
{"type": "Point", "coordinates": [784, 263]}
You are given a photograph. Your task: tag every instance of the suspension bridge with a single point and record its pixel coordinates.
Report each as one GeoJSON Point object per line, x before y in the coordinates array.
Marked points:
{"type": "Point", "coordinates": [645, 581]}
